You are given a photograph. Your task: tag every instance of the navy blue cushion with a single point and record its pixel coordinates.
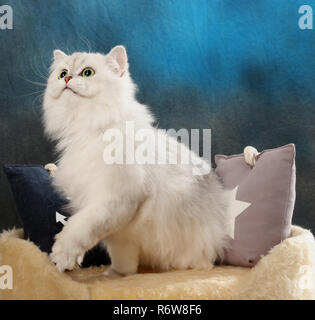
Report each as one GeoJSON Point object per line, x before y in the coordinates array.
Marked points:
{"type": "Point", "coordinates": [41, 208]}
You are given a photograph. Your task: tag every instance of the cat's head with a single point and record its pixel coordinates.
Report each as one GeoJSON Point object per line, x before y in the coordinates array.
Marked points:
{"type": "Point", "coordinates": [86, 87]}
{"type": "Point", "coordinates": [85, 75]}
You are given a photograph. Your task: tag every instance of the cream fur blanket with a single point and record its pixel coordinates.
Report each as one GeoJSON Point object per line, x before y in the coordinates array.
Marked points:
{"type": "Point", "coordinates": [287, 272]}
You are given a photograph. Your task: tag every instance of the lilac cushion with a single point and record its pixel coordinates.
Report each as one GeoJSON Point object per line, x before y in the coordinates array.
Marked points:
{"type": "Point", "coordinates": [269, 187]}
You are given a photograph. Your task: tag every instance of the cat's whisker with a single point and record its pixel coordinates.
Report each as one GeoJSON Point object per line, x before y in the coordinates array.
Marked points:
{"type": "Point", "coordinates": [34, 82]}
{"type": "Point", "coordinates": [29, 94]}
{"type": "Point", "coordinates": [55, 44]}
{"type": "Point", "coordinates": [41, 75]}
{"type": "Point", "coordinates": [86, 42]}
{"type": "Point", "coordinates": [67, 49]}
{"type": "Point", "coordinates": [39, 98]}
{"type": "Point", "coordinates": [38, 74]}
{"type": "Point", "coordinates": [44, 65]}
{"type": "Point", "coordinates": [37, 71]}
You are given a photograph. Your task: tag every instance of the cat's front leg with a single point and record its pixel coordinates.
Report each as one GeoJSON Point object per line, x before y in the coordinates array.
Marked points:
{"type": "Point", "coordinates": [65, 254]}
{"type": "Point", "coordinates": [71, 244]}
{"type": "Point", "coordinates": [86, 228]}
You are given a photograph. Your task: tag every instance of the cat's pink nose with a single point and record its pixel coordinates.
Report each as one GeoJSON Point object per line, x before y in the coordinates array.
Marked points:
{"type": "Point", "coordinates": [68, 78]}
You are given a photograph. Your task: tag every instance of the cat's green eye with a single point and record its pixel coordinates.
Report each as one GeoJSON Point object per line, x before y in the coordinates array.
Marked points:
{"type": "Point", "coordinates": [87, 72]}
{"type": "Point", "coordinates": [63, 74]}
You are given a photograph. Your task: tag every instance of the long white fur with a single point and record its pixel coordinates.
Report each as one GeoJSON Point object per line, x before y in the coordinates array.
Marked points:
{"type": "Point", "coordinates": [160, 216]}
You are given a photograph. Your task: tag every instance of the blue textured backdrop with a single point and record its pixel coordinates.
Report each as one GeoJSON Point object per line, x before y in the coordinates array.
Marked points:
{"type": "Point", "coordinates": [241, 67]}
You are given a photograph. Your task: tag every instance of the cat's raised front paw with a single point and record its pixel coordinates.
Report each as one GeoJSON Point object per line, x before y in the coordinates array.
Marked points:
{"type": "Point", "coordinates": [65, 256]}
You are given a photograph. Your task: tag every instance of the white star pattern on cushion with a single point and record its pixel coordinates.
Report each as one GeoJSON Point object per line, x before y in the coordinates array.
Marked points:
{"type": "Point", "coordinates": [237, 207]}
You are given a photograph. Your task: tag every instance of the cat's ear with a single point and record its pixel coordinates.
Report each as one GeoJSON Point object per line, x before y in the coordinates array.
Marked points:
{"type": "Point", "coordinates": [118, 61]}
{"type": "Point", "coordinates": [58, 54]}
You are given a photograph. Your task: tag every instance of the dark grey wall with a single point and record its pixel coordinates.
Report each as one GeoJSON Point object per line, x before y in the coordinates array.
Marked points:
{"type": "Point", "coordinates": [243, 68]}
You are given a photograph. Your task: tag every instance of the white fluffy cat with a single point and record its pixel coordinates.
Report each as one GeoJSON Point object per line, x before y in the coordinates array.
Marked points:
{"type": "Point", "coordinates": [158, 216]}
